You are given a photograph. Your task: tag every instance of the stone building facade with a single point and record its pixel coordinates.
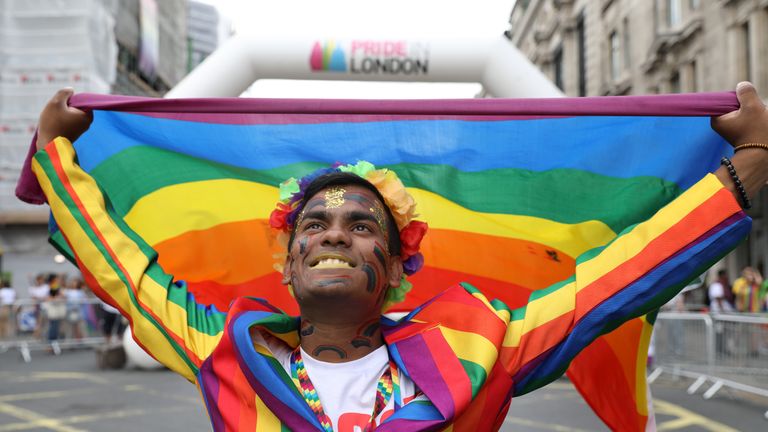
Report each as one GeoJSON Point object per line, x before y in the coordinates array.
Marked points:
{"type": "Point", "coordinates": [621, 47]}
{"type": "Point", "coordinates": [97, 49]}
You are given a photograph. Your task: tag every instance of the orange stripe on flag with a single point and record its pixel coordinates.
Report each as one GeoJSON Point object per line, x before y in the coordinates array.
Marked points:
{"type": "Point", "coordinates": [490, 257]}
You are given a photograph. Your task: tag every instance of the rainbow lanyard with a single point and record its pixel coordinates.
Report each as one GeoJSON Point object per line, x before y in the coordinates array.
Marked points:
{"type": "Point", "coordinates": [388, 384]}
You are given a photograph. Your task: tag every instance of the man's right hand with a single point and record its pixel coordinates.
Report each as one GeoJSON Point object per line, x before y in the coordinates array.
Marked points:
{"type": "Point", "coordinates": [60, 120]}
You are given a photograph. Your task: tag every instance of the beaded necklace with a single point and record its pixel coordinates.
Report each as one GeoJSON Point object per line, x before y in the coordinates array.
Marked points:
{"type": "Point", "coordinates": [388, 384]}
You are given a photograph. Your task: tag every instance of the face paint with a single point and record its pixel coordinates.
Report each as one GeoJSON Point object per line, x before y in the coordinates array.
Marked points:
{"type": "Point", "coordinates": [374, 207]}
{"type": "Point", "coordinates": [371, 329]}
{"type": "Point", "coordinates": [360, 342]}
{"type": "Point", "coordinates": [329, 282]}
{"type": "Point", "coordinates": [371, 274]}
{"type": "Point", "coordinates": [365, 334]}
{"type": "Point", "coordinates": [334, 197]}
{"type": "Point", "coordinates": [307, 328]}
{"type": "Point", "coordinates": [378, 213]}
{"type": "Point", "coordinates": [310, 205]}
{"type": "Point", "coordinates": [303, 245]}
{"type": "Point", "coordinates": [333, 348]}
{"type": "Point", "coordinates": [377, 250]}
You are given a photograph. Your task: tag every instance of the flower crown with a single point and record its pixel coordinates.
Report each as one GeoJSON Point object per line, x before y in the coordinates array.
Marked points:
{"type": "Point", "coordinates": [400, 203]}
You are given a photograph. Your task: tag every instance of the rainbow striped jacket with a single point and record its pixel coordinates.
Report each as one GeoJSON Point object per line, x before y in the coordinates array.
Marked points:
{"type": "Point", "coordinates": [468, 355]}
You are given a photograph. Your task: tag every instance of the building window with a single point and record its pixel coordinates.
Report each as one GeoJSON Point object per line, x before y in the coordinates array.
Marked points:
{"type": "Point", "coordinates": [582, 55]}
{"type": "Point", "coordinates": [615, 56]}
{"type": "Point", "coordinates": [557, 63]}
{"type": "Point", "coordinates": [674, 83]}
{"type": "Point", "coordinates": [747, 52]}
{"type": "Point", "coordinates": [625, 47]}
{"type": "Point", "coordinates": [694, 86]}
{"type": "Point", "coordinates": [674, 13]}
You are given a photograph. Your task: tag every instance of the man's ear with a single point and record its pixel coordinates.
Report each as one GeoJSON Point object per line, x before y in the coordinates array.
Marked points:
{"type": "Point", "coordinates": [287, 270]}
{"type": "Point", "coordinates": [395, 271]}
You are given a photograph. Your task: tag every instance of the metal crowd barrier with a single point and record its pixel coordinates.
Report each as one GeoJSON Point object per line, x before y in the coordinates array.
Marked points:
{"type": "Point", "coordinates": [25, 327]}
{"type": "Point", "coordinates": [722, 350]}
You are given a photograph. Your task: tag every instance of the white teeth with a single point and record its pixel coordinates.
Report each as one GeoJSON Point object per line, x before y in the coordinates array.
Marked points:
{"type": "Point", "coordinates": [327, 263]}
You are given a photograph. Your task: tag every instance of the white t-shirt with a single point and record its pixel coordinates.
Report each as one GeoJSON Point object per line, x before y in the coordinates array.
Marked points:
{"type": "Point", "coordinates": [717, 291]}
{"type": "Point", "coordinates": [347, 391]}
{"type": "Point", "coordinates": [74, 296]}
{"type": "Point", "coordinates": [40, 292]}
{"type": "Point", "coordinates": [7, 296]}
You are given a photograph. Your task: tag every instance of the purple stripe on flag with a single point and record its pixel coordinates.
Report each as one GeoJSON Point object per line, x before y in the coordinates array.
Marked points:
{"type": "Point", "coordinates": [420, 363]}
{"type": "Point", "coordinates": [690, 104]}
{"type": "Point", "coordinates": [209, 387]}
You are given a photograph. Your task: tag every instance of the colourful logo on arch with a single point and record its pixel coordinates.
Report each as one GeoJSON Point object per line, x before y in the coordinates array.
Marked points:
{"type": "Point", "coordinates": [328, 57]}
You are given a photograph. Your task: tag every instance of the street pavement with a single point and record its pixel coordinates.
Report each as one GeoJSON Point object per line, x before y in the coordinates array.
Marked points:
{"type": "Point", "coordinates": [67, 393]}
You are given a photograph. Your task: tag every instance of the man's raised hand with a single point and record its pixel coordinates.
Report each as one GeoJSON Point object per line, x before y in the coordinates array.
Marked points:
{"type": "Point", "coordinates": [748, 124]}
{"type": "Point", "coordinates": [59, 119]}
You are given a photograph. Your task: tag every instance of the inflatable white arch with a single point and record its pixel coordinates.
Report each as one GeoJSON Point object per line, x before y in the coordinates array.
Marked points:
{"type": "Point", "coordinates": [493, 62]}
{"type": "Point", "coordinates": [242, 60]}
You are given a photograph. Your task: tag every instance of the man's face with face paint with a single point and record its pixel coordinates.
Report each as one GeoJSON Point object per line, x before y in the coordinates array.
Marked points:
{"type": "Point", "coordinates": [339, 251]}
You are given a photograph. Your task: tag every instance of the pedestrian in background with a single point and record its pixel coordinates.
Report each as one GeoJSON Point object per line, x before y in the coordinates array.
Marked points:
{"type": "Point", "coordinates": [718, 303]}
{"type": "Point", "coordinates": [111, 324]}
{"type": "Point", "coordinates": [7, 298]}
{"type": "Point", "coordinates": [55, 310]}
{"type": "Point", "coordinates": [718, 294]}
{"type": "Point", "coordinates": [747, 291]}
{"type": "Point", "coordinates": [38, 292]}
{"type": "Point", "coordinates": [75, 298]}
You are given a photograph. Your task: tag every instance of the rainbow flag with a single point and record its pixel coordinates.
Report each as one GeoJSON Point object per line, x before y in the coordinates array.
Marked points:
{"type": "Point", "coordinates": [514, 192]}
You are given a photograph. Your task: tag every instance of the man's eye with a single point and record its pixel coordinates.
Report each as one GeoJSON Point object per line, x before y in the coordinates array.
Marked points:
{"type": "Point", "coordinates": [362, 228]}
{"type": "Point", "coordinates": [313, 226]}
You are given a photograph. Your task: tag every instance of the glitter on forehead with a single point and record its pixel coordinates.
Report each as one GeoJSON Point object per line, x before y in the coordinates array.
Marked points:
{"type": "Point", "coordinates": [378, 214]}
{"type": "Point", "coordinates": [334, 197]}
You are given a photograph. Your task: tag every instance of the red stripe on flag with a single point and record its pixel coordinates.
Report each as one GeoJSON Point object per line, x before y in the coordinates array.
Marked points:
{"type": "Point", "coordinates": [691, 227]}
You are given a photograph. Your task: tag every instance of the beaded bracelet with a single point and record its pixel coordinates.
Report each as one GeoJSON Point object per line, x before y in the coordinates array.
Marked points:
{"type": "Point", "coordinates": [736, 181]}
{"type": "Point", "coordinates": [750, 145]}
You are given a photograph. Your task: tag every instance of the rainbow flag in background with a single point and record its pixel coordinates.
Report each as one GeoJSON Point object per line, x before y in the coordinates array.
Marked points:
{"type": "Point", "coordinates": [513, 190]}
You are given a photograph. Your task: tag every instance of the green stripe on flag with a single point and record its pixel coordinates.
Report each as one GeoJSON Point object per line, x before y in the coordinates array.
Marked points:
{"type": "Point", "coordinates": [578, 196]}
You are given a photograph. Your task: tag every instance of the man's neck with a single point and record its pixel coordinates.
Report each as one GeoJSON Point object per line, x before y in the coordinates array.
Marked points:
{"type": "Point", "coordinates": [337, 342]}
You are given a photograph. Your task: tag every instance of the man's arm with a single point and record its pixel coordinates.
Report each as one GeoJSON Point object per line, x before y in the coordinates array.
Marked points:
{"type": "Point", "coordinates": [645, 266]}
{"type": "Point", "coordinates": [116, 263]}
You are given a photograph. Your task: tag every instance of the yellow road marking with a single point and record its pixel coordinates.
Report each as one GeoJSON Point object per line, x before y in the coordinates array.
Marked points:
{"type": "Point", "coordinates": [45, 394]}
{"type": "Point", "coordinates": [686, 418]}
{"type": "Point", "coordinates": [35, 420]}
{"type": "Point", "coordinates": [46, 376]}
{"type": "Point", "coordinates": [91, 417]}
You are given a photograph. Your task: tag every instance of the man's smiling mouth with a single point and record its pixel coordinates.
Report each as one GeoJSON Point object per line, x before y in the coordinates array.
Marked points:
{"type": "Point", "coordinates": [331, 261]}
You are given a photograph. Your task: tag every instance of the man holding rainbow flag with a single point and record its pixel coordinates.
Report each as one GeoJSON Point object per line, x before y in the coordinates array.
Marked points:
{"type": "Point", "coordinates": [351, 242]}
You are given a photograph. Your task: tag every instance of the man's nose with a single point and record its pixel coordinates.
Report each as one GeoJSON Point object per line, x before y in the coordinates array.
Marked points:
{"type": "Point", "coordinates": [336, 236]}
